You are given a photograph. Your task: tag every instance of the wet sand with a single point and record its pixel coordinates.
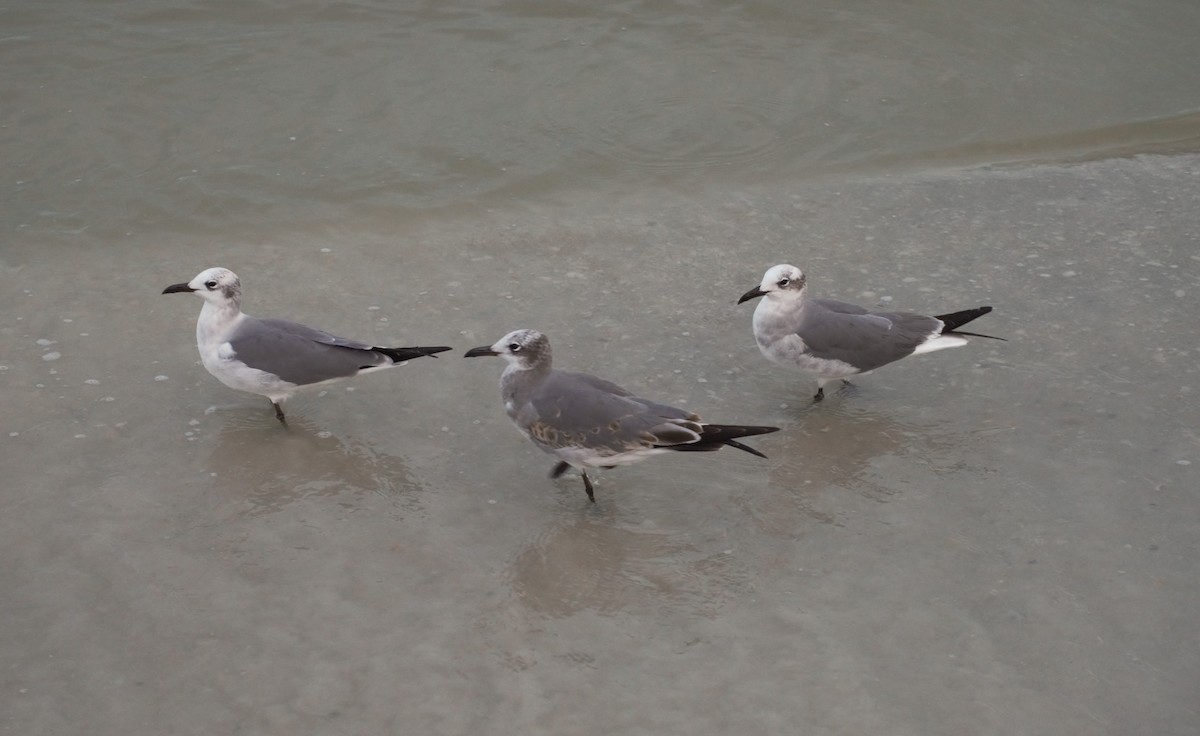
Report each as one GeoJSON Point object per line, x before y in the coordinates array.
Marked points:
{"type": "Point", "coordinates": [997, 539]}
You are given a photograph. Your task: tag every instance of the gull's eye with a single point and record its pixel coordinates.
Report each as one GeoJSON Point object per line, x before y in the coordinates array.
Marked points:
{"type": "Point", "coordinates": [211, 285]}
{"type": "Point", "coordinates": [514, 347]}
{"type": "Point", "coordinates": [783, 282]}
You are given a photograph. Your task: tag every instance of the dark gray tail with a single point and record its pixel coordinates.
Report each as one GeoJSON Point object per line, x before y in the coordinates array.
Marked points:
{"type": "Point", "coordinates": [400, 355]}
{"type": "Point", "coordinates": [954, 320]}
{"type": "Point", "coordinates": [715, 436]}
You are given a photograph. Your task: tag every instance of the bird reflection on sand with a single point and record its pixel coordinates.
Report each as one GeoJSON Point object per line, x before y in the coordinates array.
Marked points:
{"type": "Point", "coordinates": [593, 565]}
{"type": "Point", "coordinates": [585, 566]}
{"type": "Point", "coordinates": [261, 470]}
{"type": "Point", "coordinates": [825, 451]}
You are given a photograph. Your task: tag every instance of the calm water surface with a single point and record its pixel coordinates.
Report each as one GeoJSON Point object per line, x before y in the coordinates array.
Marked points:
{"type": "Point", "coordinates": [992, 540]}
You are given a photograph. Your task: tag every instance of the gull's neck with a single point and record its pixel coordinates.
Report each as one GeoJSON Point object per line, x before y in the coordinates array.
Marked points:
{"type": "Point", "coordinates": [770, 308]}
{"type": "Point", "coordinates": [518, 384]}
{"type": "Point", "coordinates": [216, 320]}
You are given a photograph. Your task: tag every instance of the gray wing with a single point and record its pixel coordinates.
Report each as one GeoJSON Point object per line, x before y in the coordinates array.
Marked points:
{"type": "Point", "coordinates": [576, 409]}
{"type": "Point", "coordinates": [865, 340]}
{"type": "Point", "coordinates": [314, 334]}
{"type": "Point", "coordinates": [299, 354]}
{"type": "Point", "coordinates": [834, 305]}
{"type": "Point", "coordinates": [662, 410]}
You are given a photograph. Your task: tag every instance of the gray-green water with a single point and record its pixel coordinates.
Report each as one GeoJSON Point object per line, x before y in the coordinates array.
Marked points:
{"type": "Point", "coordinates": [997, 539]}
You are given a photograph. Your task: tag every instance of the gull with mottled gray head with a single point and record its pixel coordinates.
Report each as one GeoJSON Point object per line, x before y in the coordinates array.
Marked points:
{"type": "Point", "coordinates": [273, 357]}
{"type": "Point", "coordinates": [835, 340]}
{"type": "Point", "coordinates": [588, 422]}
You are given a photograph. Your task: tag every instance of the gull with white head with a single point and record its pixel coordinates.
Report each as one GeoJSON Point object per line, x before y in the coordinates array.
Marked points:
{"type": "Point", "coordinates": [588, 422]}
{"type": "Point", "coordinates": [274, 357]}
{"type": "Point", "coordinates": [835, 340]}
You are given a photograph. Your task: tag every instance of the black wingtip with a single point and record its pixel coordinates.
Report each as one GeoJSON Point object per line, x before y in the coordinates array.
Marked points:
{"type": "Point", "coordinates": [722, 432]}
{"type": "Point", "coordinates": [745, 448]}
{"type": "Point", "coordinates": [400, 355]}
{"type": "Point", "coordinates": [954, 320]}
{"type": "Point", "coordinates": [716, 435]}
{"type": "Point", "coordinates": [975, 334]}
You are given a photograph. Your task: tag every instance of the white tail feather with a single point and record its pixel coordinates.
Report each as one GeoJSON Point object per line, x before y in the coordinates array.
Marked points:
{"type": "Point", "coordinates": [941, 342]}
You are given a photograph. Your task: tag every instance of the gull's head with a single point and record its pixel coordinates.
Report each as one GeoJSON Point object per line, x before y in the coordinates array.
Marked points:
{"type": "Point", "coordinates": [779, 283]}
{"type": "Point", "coordinates": [523, 349]}
{"type": "Point", "coordinates": [218, 286]}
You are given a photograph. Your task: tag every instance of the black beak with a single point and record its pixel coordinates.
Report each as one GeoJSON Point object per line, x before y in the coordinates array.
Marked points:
{"type": "Point", "coordinates": [476, 352]}
{"type": "Point", "coordinates": [752, 294]}
{"type": "Point", "coordinates": [176, 288]}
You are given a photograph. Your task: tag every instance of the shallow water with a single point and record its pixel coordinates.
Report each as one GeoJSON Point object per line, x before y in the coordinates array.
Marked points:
{"type": "Point", "coordinates": [1001, 538]}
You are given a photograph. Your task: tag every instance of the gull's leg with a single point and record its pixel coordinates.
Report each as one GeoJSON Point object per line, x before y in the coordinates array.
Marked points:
{"type": "Point", "coordinates": [279, 412]}
{"type": "Point", "coordinates": [562, 467]}
{"type": "Point", "coordinates": [587, 486]}
{"type": "Point", "coordinates": [821, 388]}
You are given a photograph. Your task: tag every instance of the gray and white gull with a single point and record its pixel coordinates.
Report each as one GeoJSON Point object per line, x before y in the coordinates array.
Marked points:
{"type": "Point", "coordinates": [835, 340]}
{"type": "Point", "coordinates": [274, 357]}
{"type": "Point", "coordinates": [588, 422]}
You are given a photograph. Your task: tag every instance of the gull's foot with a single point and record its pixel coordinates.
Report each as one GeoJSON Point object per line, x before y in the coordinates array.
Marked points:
{"type": "Point", "coordinates": [559, 469]}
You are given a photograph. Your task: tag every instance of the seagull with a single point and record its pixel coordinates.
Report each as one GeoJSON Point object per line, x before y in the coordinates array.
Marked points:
{"type": "Point", "coordinates": [832, 339]}
{"type": "Point", "coordinates": [274, 357]}
{"type": "Point", "coordinates": [589, 422]}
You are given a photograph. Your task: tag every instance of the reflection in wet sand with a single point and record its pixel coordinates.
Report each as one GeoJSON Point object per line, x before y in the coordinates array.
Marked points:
{"type": "Point", "coordinates": [833, 446]}
{"type": "Point", "coordinates": [592, 565]}
{"type": "Point", "coordinates": [261, 468]}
